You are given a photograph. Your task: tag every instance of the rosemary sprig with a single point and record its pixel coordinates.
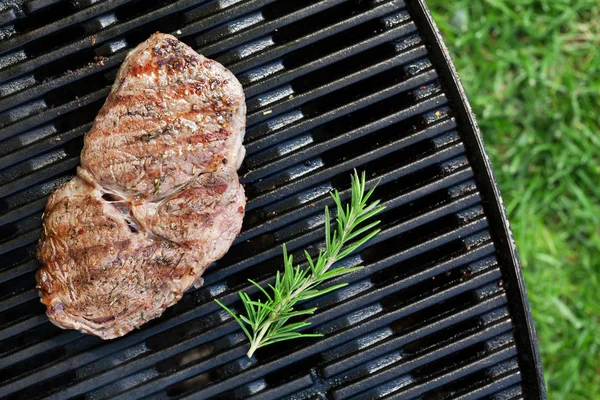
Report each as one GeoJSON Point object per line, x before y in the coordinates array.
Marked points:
{"type": "Point", "coordinates": [268, 321]}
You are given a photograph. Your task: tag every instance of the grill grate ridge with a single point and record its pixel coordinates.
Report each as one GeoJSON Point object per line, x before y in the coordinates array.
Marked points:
{"type": "Point", "coordinates": [376, 381]}
{"type": "Point", "coordinates": [21, 39]}
{"type": "Point", "coordinates": [496, 357]}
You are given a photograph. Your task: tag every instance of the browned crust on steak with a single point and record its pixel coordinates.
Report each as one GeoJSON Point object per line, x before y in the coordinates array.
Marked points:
{"type": "Point", "coordinates": [177, 113]}
{"type": "Point", "coordinates": [157, 198]}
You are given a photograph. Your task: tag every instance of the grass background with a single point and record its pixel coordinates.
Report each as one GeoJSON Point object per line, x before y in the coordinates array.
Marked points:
{"type": "Point", "coordinates": [531, 69]}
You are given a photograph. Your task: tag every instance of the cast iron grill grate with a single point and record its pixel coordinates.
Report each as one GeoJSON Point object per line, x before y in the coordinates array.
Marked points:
{"type": "Point", "coordinates": [439, 312]}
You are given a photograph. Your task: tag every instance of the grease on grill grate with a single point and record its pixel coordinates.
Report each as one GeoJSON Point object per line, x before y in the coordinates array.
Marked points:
{"type": "Point", "coordinates": [332, 85]}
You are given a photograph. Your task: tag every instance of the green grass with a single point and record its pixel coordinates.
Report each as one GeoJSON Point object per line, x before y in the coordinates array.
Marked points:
{"type": "Point", "coordinates": [532, 73]}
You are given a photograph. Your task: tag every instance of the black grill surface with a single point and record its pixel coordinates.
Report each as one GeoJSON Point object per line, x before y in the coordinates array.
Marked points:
{"type": "Point", "coordinates": [438, 312]}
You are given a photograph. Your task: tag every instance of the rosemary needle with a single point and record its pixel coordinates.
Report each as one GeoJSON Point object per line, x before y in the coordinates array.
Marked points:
{"type": "Point", "coordinates": [267, 321]}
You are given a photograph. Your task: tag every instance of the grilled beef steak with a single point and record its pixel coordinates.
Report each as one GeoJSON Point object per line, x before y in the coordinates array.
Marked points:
{"type": "Point", "coordinates": [156, 199]}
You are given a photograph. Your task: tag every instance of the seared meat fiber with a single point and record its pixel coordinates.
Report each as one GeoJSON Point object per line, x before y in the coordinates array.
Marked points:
{"type": "Point", "coordinates": [157, 197]}
{"type": "Point", "coordinates": [171, 115]}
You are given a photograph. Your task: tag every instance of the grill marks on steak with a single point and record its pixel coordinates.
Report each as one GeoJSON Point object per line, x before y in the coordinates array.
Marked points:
{"type": "Point", "coordinates": [177, 114]}
{"type": "Point", "coordinates": [157, 198]}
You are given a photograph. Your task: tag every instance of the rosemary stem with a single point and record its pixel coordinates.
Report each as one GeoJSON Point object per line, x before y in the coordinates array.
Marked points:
{"type": "Point", "coordinates": [272, 318]}
{"type": "Point", "coordinates": [257, 340]}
